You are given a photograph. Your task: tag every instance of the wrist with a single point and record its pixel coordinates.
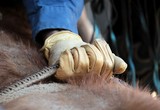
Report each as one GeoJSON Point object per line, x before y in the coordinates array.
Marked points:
{"type": "Point", "coordinates": [44, 34]}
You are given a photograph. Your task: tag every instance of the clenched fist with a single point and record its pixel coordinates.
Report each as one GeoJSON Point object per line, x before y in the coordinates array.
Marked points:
{"type": "Point", "coordinates": [77, 58]}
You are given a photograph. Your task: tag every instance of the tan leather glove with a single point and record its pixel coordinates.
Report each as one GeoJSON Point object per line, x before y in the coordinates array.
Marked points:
{"type": "Point", "coordinates": [57, 43]}
{"type": "Point", "coordinates": [112, 64]}
{"type": "Point", "coordinates": [77, 57]}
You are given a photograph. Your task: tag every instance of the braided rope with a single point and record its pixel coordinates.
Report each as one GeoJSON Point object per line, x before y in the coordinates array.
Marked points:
{"type": "Point", "coordinates": [41, 88]}
{"type": "Point", "coordinates": [13, 89]}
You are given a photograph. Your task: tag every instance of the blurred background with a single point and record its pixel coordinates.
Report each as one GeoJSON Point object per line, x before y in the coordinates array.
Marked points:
{"type": "Point", "coordinates": [132, 29]}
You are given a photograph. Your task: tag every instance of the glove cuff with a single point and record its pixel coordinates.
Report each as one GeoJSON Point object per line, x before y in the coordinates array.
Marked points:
{"type": "Point", "coordinates": [58, 37]}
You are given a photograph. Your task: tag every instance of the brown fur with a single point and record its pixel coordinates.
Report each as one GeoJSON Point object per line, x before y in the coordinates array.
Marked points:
{"type": "Point", "coordinates": [19, 57]}
{"type": "Point", "coordinates": [112, 95]}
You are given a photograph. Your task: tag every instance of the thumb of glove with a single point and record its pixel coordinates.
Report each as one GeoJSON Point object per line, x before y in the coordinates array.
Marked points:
{"type": "Point", "coordinates": [119, 66]}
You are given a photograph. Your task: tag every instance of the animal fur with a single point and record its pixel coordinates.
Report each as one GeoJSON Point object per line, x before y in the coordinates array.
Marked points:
{"type": "Point", "coordinates": [19, 56]}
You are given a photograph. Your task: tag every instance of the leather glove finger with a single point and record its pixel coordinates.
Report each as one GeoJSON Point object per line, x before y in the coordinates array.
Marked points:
{"type": "Point", "coordinates": [73, 62]}
{"type": "Point", "coordinates": [79, 61]}
{"type": "Point", "coordinates": [95, 59]}
{"type": "Point", "coordinates": [108, 64]}
{"type": "Point", "coordinates": [119, 66]}
{"type": "Point", "coordinates": [115, 63]}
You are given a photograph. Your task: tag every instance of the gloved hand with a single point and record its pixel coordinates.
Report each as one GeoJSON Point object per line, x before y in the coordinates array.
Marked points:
{"type": "Point", "coordinates": [76, 57]}
{"type": "Point", "coordinates": [57, 43]}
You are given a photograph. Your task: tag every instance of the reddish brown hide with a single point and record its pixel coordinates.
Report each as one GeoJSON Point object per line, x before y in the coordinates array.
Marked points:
{"type": "Point", "coordinates": [20, 57]}
{"type": "Point", "coordinates": [18, 54]}
{"type": "Point", "coordinates": [91, 96]}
